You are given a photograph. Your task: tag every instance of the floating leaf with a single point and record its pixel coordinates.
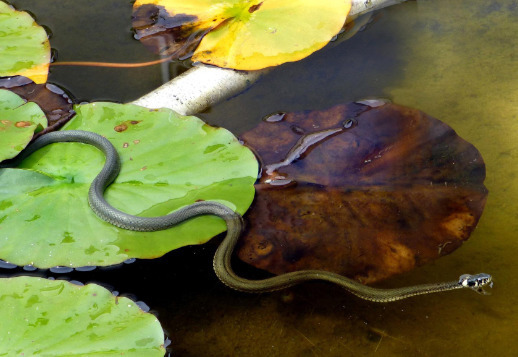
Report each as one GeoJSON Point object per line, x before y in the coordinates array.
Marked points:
{"type": "Point", "coordinates": [18, 122]}
{"type": "Point", "coordinates": [168, 161]}
{"type": "Point", "coordinates": [24, 46]}
{"type": "Point", "coordinates": [55, 103]}
{"type": "Point", "coordinates": [397, 190]}
{"type": "Point", "coordinates": [239, 34]}
{"type": "Point", "coordinates": [43, 317]}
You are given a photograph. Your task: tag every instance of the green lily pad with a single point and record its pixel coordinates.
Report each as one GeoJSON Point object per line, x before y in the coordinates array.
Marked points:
{"type": "Point", "coordinates": [24, 46]}
{"type": "Point", "coordinates": [18, 122]}
{"type": "Point", "coordinates": [43, 317]}
{"type": "Point", "coordinates": [168, 161]}
{"type": "Point", "coordinates": [239, 34]}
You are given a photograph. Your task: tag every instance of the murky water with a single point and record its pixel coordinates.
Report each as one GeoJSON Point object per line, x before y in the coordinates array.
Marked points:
{"type": "Point", "coordinates": [455, 60]}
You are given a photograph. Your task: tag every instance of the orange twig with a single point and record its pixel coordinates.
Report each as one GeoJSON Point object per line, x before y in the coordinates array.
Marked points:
{"type": "Point", "coordinates": [111, 64]}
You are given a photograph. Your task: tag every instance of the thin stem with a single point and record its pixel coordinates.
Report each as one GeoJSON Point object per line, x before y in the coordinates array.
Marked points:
{"type": "Point", "coordinates": [111, 64]}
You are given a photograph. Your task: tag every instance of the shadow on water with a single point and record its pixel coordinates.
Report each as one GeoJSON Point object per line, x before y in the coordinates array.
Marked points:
{"type": "Point", "coordinates": [455, 60]}
{"type": "Point", "coordinates": [95, 31]}
{"type": "Point", "coordinates": [324, 79]}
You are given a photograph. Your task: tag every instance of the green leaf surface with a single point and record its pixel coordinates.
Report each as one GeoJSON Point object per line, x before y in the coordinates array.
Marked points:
{"type": "Point", "coordinates": [168, 161]}
{"type": "Point", "coordinates": [24, 46]}
{"type": "Point", "coordinates": [18, 122]}
{"type": "Point", "coordinates": [55, 318]}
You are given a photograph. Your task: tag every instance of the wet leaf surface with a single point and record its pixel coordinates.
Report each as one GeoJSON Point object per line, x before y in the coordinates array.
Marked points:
{"type": "Point", "coordinates": [43, 317]}
{"type": "Point", "coordinates": [18, 122]}
{"type": "Point", "coordinates": [360, 190]}
{"type": "Point", "coordinates": [239, 34]}
{"type": "Point", "coordinates": [24, 45]}
{"type": "Point", "coordinates": [45, 217]}
{"type": "Point", "coordinates": [55, 103]}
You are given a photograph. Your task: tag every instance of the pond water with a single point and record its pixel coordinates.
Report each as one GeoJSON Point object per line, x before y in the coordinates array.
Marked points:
{"type": "Point", "coordinates": [455, 60]}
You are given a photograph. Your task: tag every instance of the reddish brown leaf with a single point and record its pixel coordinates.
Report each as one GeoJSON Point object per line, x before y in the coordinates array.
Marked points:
{"type": "Point", "coordinates": [176, 35]}
{"type": "Point", "coordinates": [394, 191]}
{"type": "Point", "coordinates": [55, 103]}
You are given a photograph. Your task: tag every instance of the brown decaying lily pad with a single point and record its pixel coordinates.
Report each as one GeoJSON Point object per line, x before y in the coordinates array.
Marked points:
{"type": "Point", "coordinates": [394, 191]}
{"type": "Point", "coordinates": [55, 103]}
{"type": "Point", "coordinates": [166, 34]}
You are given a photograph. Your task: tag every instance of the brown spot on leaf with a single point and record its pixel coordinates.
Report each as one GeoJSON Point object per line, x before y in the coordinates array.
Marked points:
{"type": "Point", "coordinates": [369, 201]}
{"type": "Point", "coordinates": [254, 8]}
{"type": "Point", "coordinates": [22, 124]}
{"type": "Point", "coordinates": [120, 128]}
{"type": "Point", "coordinates": [134, 122]}
{"type": "Point", "coordinates": [264, 248]}
{"type": "Point", "coordinates": [125, 145]}
{"type": "Point", "coordinates": [136, 142]}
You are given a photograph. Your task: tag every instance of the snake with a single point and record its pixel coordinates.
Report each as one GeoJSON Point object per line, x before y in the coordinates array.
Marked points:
{"type": "Point", "coordinates": [235, 224]}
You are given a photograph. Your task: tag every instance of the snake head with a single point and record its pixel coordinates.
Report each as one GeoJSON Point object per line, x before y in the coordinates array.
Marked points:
{"type": "Point", "coordinates": [476, 282]}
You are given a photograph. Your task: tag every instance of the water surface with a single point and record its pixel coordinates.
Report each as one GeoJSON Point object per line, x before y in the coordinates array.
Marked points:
{"type": "Point", "coordinates": [455, 60]}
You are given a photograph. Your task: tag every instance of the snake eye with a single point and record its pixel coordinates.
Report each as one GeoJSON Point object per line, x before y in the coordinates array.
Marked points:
{"type": "Point", "coordinates": [464, 280]}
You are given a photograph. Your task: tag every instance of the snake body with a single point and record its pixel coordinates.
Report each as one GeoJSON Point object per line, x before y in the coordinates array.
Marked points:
{"type": "Point", "coordinates": [234, 221]}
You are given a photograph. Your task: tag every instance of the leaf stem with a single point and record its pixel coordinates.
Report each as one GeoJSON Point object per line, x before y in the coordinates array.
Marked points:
{"type": "Point", "coordinates": [111, 64]}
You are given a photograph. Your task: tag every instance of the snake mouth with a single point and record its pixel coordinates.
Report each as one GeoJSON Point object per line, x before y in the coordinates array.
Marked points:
{"type": "Point", "coordinates": [483, 291]}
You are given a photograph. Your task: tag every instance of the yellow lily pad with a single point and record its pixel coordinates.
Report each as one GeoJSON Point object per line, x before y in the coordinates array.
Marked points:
{"type": "Point", "coordinates": [24, 46]}
{"type": "Point", "coordinates": [240, 34]}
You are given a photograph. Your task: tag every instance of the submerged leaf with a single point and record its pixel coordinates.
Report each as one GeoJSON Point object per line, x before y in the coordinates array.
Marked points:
{"type": "Point", "coordinates": [367, 200]}
{"type": "Point", "coordinates": [168, 161]}
{"type": "Point", "coordinates": [18, 122]}
{"type": "Point", "coordinates": [24, 46]}
{"type": "Point", "coordinates": [239, 34]}
{"type": "Point", "coordinates": [43, 317]}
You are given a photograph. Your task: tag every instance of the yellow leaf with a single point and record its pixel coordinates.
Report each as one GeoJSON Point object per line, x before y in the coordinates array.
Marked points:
{"type": "Point", "coordinates": [38, 74]}
{"type": "Point", "coordinates": [246, 35]}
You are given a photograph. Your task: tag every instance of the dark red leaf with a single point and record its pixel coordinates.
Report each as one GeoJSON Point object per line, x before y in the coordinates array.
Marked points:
{"type": "Point", "coordinates": [363, 191]}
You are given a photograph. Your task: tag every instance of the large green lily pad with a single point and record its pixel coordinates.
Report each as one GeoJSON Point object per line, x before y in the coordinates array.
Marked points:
{"type": "Point", "coordinates": [24, 46]}
{"type": "Point", "coordinates": [168, 161]}
{"type": "Point", "coordinates": [43, 317]}
{"type": "Point", "coordinates": [18, 122]}
{"type": "Point", "coordinates": [239, 34]}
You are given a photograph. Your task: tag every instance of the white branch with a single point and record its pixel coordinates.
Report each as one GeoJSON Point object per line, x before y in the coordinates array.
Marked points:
{"type": "Point", "coordinates": [361, 7]}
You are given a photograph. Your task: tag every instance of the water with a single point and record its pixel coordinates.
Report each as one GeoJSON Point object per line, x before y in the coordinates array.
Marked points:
{"type": "Point", "coordinates": [455, 60]}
